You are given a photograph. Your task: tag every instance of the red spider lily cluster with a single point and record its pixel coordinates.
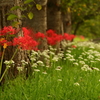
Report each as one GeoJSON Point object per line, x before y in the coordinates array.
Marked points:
{"type": "Point", "coordinates": [53, 38]}
{"type": "Point", "coordinates": [30, 40]}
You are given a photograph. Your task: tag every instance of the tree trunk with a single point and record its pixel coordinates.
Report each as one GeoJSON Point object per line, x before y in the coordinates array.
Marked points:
{"type": "Point", "coordinates": [66, 18]}
{"type": "Point", "coordinates": [54, 15]}
{"type": "Point", "coordinates": [39, 21]}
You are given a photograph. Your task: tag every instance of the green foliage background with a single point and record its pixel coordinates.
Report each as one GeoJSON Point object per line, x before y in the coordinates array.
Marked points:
{"type": "Point", "coordinates": [86, 13]}
{"type": "Point", "coordinates": [91, 28]}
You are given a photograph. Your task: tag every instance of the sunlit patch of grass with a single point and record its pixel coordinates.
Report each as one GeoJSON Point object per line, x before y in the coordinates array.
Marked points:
{"type": "Point", "coordinates": [80, 39]}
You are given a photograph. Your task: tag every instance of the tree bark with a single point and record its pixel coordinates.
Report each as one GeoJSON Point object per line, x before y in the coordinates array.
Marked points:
{"type": "Point", "coordinates": [54, 15]}
{"type": "Point", "coordinates": [39, 21]}
{"type": "Point", "coordinates": [66, 19]}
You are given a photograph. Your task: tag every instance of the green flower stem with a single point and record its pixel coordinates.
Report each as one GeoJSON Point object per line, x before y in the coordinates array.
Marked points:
{"type": "Point", "coordinates": [14, 53]}
{"type": "Point", "coordinates": [3, 74]}
{"type": "Point", "coordinates": [2, 60]}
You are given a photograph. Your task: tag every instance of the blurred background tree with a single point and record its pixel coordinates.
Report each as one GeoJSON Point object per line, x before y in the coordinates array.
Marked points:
{"type": "Point", "coordinates": [85, 16]}
{"type": "Point", "coordinates": [90, 28]}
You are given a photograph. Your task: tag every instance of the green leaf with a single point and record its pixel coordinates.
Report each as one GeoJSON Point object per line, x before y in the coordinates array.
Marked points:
{"type": "Point", "coordinates": [38, 6]}
{"type": "Point", "coordinates": [15, 7]}
{"type": "Point", "coordinates": [11, 17]}
{"type": "Point", "coordinates": [30, 5]}
{"type": "Point", "coordinates": [23, 9]}
{"type": "Point", "coordinates": [15, 24]}
{"type": "Point", "coordinates": [28, 1]}
{"type": "Point", "coordinates": [23, 16]}
{"type": "Point", "coordinates": [30, 15]}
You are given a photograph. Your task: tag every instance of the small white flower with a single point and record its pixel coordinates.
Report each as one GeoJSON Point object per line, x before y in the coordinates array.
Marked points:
{"type": "Point", "coordinates": [82, 62]}
{"type": "Point", "coordinates": [90, 57]}
{"type": "Point", "coordinates": [84, 68]}
{"type": "Point", "coordinates": [80, 57]}
{"type": "Point", "coordinates": [68, 51]}
{"type": "Point", "coordinates": [52, 53]}
{"type": "Point", "coordinates": [64, 43]}
{"type": "Point", "coordinates": [85, 60]}
{"type": "Point", "coordinates": [60, 80]}
{"type": "Point", "coordinates": [71, 59]}
{"type": "Point", "coordinates": [76, 84]}
{"type": "Point", "coordinates": [90, 51]}
{"type": "Point", "coordinates": [9, 62]}
{"type": "Point", "coordinates": [34, 65]}
{"type": "Point", "coordinates": [20, 69]}
{"type": "Point", "coordinates": [55, 58]}
{"type": "Point", "coordinates": [59, 68]}
{"type": "Point", "coordinates": [91, 47]}
{"type": "Point", "coordinates": [47, 66]}
{"type": "Point", "coordinates": [40, 63]}
{"type": "Point", "coordinates": [60, 55]}
{"type": "Point", "coordinates": [36, 70]}
{"type": "Point", "coordinates": [24, 63]}
{"type": "Point", "coordinates": [97, 59]}
{"type": "Point", "coordinates": [69, 56]}
{"type": "Point", "coordinates": [6, 62]}
{"type": "Point", "coordinates": [97, 69]}
{"type": "Point", "coordinates": [12, 62]}
{"type": "Point", "coordinates": [34, 52]}
{"type": "Point", "coordinates": [75, 63]}
{"type": "Point", "coordinates": [97, 54]}
{"type": "Point", "coordinates": [32, 59]}
{"type": "Point", "coordinates": [47, 56]}
{"type": "Point", "coordinates": [44, 72]}
{"type": "Point", "coordinates": [89, 69]}
{"type": "Point", "coordinates": [8, 66]}
{"type": "Point", "coordinates": [83, 53]}
{"type": "Point", "coordinates": [92, 61]}
{"type": "Point", "coordinates": [64, 58]}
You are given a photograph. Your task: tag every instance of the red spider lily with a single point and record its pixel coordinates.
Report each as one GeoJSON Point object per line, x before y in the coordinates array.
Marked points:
{"type": "Point", "coordinates": [26, 43]}
{"type": "Point", "coordinates": [82, 37]}
{"type": "Point", "coordinates": [39, 35]}
{"type": "Point", "coordinates": [68, 37]}
{"type": "Point", "coordinates": [26, 31]}
{"type": "Point", "coordinates": [51, 33]}
{"type": "Point", "coordinates": [3, 41]}
{"type": "Point", "coordinates": [73, 46]}
{"type": "Point", "coordinates": [53, 38]}
{"type": "Point", "coordinates": [9, 30]}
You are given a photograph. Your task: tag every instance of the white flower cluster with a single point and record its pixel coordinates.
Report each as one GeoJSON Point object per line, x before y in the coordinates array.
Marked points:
{"type": "Point", "coordinates": [89, 56]}
{"type": "Point", "coordinates": [23, 62]}
{"type": "Point", "coordinates": [9, 63]}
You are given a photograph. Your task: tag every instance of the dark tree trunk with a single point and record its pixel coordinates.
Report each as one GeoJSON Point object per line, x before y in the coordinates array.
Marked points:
{"type": "Point", "coordinates": [66, 18]}
{"type": "Point", "coordinates": [38, 23]}
{"type": "Point", "coordinates": [54, 15]}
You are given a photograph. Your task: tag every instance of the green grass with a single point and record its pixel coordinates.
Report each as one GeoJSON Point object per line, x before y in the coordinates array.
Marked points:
{"type": "Point", "coordinates": [68, 83]}
{"type": "Point", "coordinates": [55, 85]}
